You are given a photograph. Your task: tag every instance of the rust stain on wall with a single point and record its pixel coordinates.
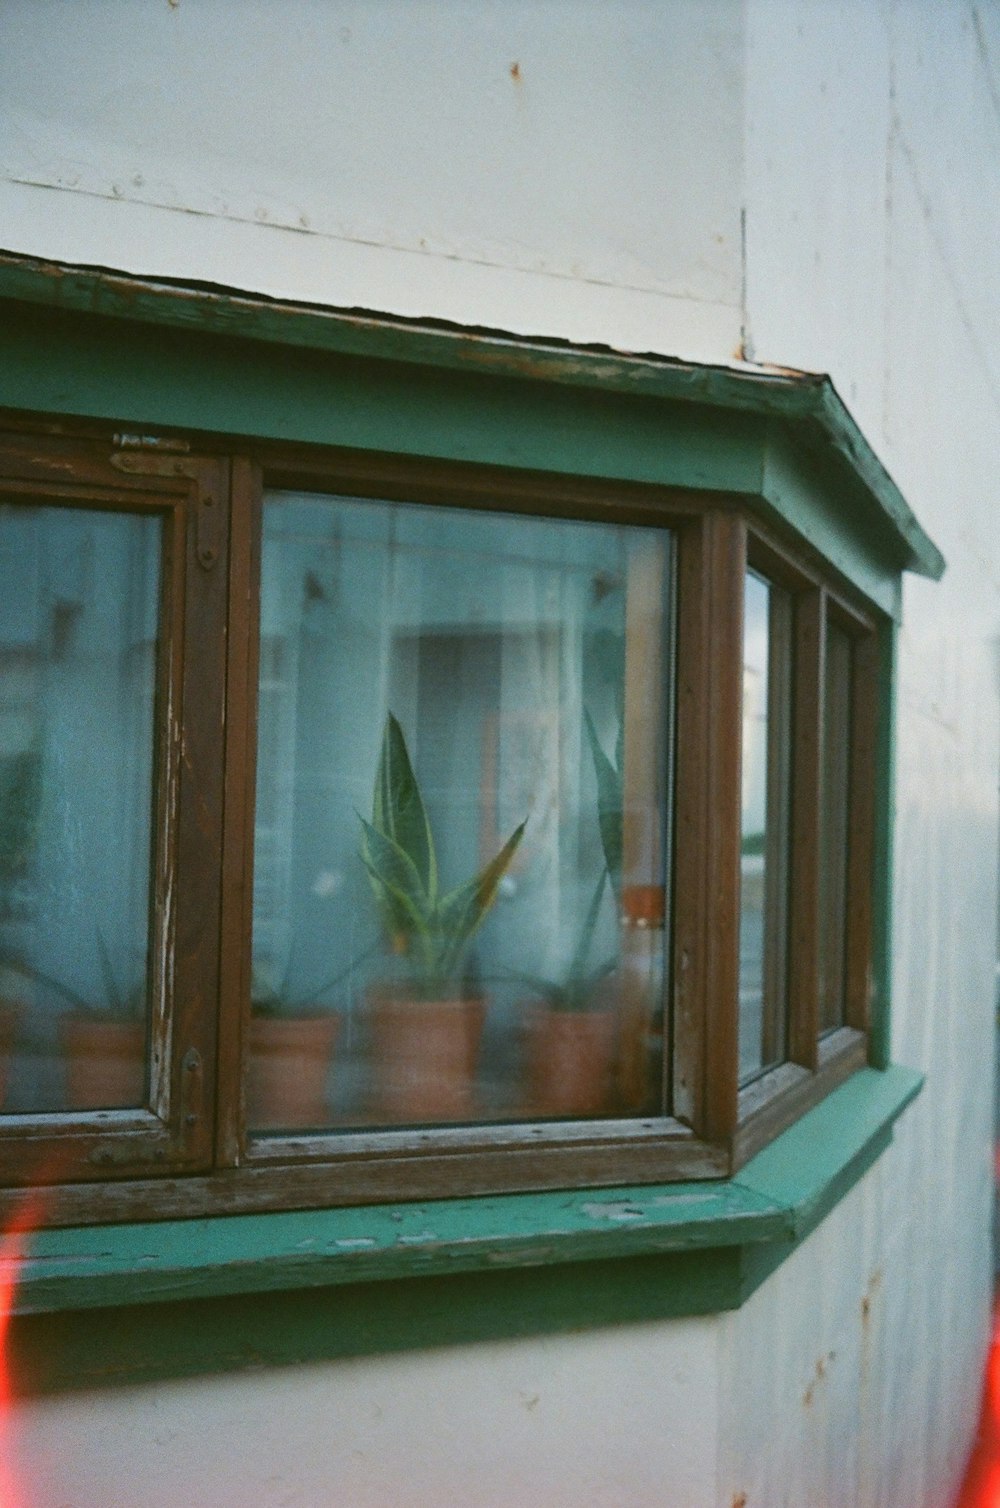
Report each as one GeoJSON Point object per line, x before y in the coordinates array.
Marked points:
{"type": "Point", "coordinates": [820, 1372]}
{"type": "Point", "coordinates": [874, 1284]}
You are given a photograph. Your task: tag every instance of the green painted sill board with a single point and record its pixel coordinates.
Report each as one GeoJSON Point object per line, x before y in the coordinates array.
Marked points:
{"type": "Point", "coordinates": [241, 1293]}
{"type": "Point", "coordinates": [773, 1202]}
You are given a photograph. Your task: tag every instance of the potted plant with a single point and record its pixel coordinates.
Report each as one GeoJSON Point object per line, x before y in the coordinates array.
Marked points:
{"type": "Point", "coordinates": [573, 1023]}
{"type": "Point", "coordinates": [20, 798]}
{"type": "Point", "coordinates": [641, 908]}
{"type": "Point", "coordinates": [572, 1033]}
{"type": "Point", "coordinates": [103, 1041]}
{"type": "Point", "coordinates": [291, 1045]}
{"type": "Point", "coordinates": [428, 1015]}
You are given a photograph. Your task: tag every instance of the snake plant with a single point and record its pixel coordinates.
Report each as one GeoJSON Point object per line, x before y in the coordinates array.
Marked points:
{"type": "Point", "coordinates": [428, 928]}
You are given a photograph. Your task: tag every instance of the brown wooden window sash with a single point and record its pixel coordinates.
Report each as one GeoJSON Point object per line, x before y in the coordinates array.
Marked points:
{"type": "Point", "coordinates": [172, 1131]}
{"type": "Point", "coordinates": [382, 1163]}
{"type": "Point", "coordinates": [818, 1059]}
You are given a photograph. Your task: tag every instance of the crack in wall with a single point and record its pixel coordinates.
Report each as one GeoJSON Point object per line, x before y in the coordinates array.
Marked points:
{"type": "Point", "coordinates": [983, 49]}
{"type": "Point", "coordinates": [263, 222]}
{"type": "Point", "coordinates": [897, 141]}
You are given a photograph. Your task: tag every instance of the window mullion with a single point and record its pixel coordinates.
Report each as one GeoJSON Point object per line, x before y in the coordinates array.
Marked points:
{"type": "Point", "coordinates": [777, 846]}
{"type": "Point", "coordinates": [727, 545]}
{"type": "Point", "coordinates": [807, 786]}
{"type": "Point", "coordinates": [197, 875]}
{"type": "Point", "coordinates": [861, 821]}
{"type": "Point", "coordinates": [691, 819]}
{"type": "Point", "coordinates": [169, 735]}
{"type": "Point", "coordinates": [240, 763]}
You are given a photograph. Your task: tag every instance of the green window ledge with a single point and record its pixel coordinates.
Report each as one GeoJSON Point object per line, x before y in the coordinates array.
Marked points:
{"type": "Point", "coordinates": [97, 1305]}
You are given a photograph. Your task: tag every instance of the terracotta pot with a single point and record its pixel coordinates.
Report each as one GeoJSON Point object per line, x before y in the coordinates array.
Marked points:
{"type": "Point", "coordinates": [425, 1056]}
{"type": "Point", "coordinates": [570, 1060]}
{"type": "Point", "coordinates": [289, 1062]}
{"type": "Point", "coordinates": [105, 1063]}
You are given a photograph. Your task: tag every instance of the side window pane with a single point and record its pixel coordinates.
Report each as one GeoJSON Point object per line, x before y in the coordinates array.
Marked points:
{"type": "Point", "coordinates": [460, 848]}
{"type": "Point", "coordinates": [834, 827]}
{"type": "Point", "coordinates": [765, 827]}
{"type": "Point", "coordinates": [78, 641]}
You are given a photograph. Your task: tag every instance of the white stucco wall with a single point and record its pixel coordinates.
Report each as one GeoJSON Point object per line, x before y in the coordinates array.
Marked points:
{"type": "Point", "coordinates": [390, 156]}
{"type": "Point", "coordinates": [458, 158]}
{"type": "Point", "coordinates": [873, 230]}
{"type": "Point", "coordinates": [604, 1420]}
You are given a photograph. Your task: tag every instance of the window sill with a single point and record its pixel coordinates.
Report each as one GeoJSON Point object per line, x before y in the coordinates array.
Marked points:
{"type": "Point", "coordinates": [359, 1282]}
{"type": "Point", "coordinates": [776, 1198]}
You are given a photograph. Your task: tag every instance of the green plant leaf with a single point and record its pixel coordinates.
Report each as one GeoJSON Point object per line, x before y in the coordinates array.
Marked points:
{"type": "Point", "coordinates": [397, 885]}
{"type": "Point", "coordinates": [571, 993]}
{"type": "Point", "coordinates": [73, 997]}
{"type": "Point", "coordinates": [20, 797]}
{"type": "Point", "coordinates": [460, 912]}
{"type": "Point", "coordinates": [115, 998]}
{"type": "Point", "coordinates": [609, 802]}
{"type": "Point", "coordinates": [587, 931]}
{"type": "Point", "coordinates": [398, 808]}
{"type": "Point", "coordinates": [552, 990]}
{"type": "Point", "coordinates": [21, 965]}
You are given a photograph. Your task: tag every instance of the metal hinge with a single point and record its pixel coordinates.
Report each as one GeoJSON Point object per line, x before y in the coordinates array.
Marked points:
{"type": "Point", "coordinates": [192, 1089]}
{"type": "Point", "coordinates": [147, 455]}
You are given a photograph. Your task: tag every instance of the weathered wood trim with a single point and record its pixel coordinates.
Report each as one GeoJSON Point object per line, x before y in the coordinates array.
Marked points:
{"type": "Point", "coordinates": [880, 998]}
{"type": "Point", "coordinates": [808, 400]}
{"type": "Point", "coordinates": [807, 786]}
{"type": "Point", "coordinates": [140, 1263]}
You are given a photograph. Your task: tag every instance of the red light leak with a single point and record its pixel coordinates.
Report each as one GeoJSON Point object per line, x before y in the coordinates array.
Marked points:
{"type": "Point", "coordinates": [14, 1243]}
{"type": "Point", "coordinates": [13, 1247]}
{"type": "Point", "coordinates": [981, 1488]}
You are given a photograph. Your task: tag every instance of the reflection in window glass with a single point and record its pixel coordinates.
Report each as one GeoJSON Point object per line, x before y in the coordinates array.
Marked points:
{"type": "Point", "coordinates": [834, 828]}
{"type": "Point", "coordinates": [765, 809]}
{"type": "Point", "coordinates": [78, 636]}
{"type": "Point", "coordinates": [460, 839]}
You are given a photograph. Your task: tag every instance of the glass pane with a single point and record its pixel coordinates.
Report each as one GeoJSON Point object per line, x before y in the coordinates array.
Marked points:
{"type": "Point", "coordinates": [78, 637]}
{"type": "Point", "coordinates": [460, 828]}
{"type": "Point", "coordinates": [764, 848]}
{"type": "Point", "coordinates": [834, 828]}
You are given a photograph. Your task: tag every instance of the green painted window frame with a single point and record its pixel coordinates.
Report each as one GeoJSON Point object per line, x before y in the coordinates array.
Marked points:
{"type": "Point", "coordinates": [153, 356]}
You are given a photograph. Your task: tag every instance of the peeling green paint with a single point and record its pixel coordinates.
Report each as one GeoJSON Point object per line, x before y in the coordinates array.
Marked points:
{"type": "Point", "coordinates": [805, 403]}
{"type": "Point", "coordinates": [130, 1302]}
{"type": "Point", "coordinates": [772, 1198]}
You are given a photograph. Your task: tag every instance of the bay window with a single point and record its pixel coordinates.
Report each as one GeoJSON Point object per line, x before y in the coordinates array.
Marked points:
{"type": "Point", "coordinates": [431, 765]}
{"type": "Point", "coordinates": [374, 829]}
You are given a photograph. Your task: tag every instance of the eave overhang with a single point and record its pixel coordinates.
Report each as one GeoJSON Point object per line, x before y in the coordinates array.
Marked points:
{"type": "Point", "coordinates": [805, 404]}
